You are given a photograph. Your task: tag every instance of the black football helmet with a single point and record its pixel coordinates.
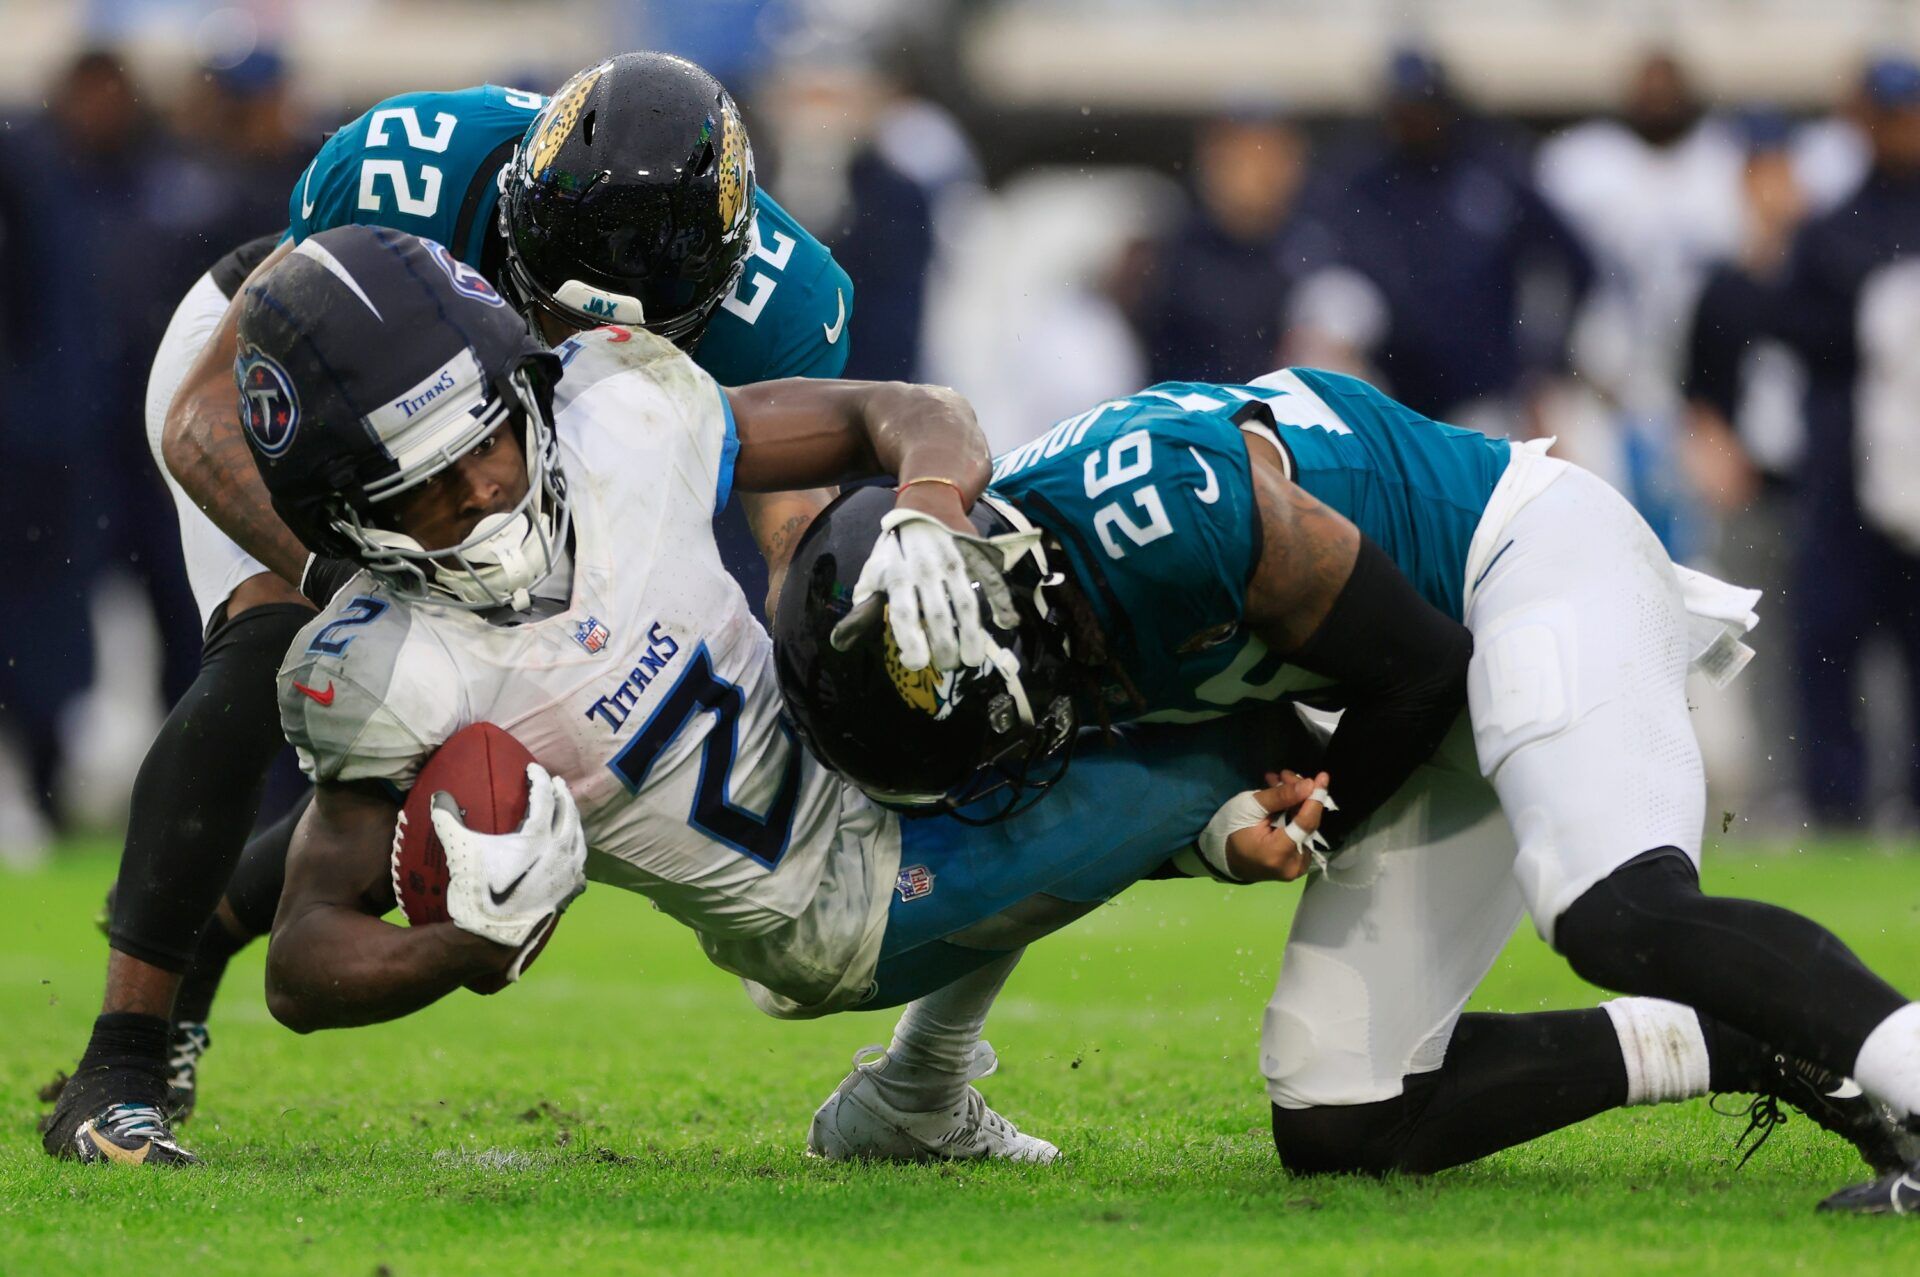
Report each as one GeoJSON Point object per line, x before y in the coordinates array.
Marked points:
{"type": "Point", "coordinates": [978, 744]}
{"type": "Point", "coordinates": [370, 361]}
{"type": "Point", "coordinates": [631, 199]}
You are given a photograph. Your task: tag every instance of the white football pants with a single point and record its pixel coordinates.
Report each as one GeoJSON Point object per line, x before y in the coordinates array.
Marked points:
{"type": "Point", "coordinates": [215, 565]}
{"type": "Point", "coordinates": [1576, 755]}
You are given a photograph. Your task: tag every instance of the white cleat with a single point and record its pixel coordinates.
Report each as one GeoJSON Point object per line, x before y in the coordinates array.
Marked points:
{"type": "Point", "coordinates": [858, 1124]}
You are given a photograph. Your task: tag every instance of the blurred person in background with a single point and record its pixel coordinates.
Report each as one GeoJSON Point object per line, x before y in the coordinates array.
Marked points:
{"type": "Point", "coordinates": [88, 189]}
{"type": "Point", "coordinates": [910, 184]}
{"type": "Point", "coordinates": [1438, 215]}
{"type": "Point", "coordinates": [239, 116]}
{"type": "Point", "coordinates": [1744, 435]}
{"type": "Point", "coordinates": [1849, 305]}
{"type": "Point", "coordinates": [1211, 301]}
{"type": "Point", "coordinates": [1655, 194]}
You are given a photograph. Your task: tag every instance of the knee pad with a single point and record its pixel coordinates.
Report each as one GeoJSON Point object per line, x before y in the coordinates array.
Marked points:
{"type": "Point", "coordinates": [1605, 934]}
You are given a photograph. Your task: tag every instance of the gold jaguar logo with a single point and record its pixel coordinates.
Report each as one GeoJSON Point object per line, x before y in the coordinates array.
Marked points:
{"type": "Point", "coordinates": [926, 690]}
{"type": "Point", "coordinates": [557, 121]}
{"type": "Point", "coordinates": [736, 167]}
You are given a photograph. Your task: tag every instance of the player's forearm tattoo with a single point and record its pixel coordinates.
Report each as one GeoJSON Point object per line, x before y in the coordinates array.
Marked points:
{"type": "Point", "coordinates": [1307, 552]}
{"type": "Point", "coordinates": [780, 543]}
{"type": "Point", "coordinates": [211, 460]}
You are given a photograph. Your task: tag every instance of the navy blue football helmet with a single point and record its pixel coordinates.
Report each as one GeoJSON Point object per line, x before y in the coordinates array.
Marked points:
{"type": "Point", "coordinates": [370, 361]}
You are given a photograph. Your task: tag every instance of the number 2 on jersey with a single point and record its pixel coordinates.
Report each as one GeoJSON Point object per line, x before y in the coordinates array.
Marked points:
{"type": "Point", "coordinates": [701, 691]}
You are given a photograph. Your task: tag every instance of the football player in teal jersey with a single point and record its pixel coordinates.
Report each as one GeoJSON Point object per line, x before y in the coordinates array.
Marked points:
{"type": "Point", "coordinates": [1200, 549]}
{"type": "Point", "coordinates": [630, 196]}
{"type": "Point", "coordinates": [561, 202]}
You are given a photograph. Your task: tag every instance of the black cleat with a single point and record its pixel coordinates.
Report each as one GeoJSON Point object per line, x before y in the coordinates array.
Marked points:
{"type": "Point", "coordinates": [187, 1044]}
{"type": "Point", "coordinates": [113, 1115]}
{"type": "Point", "coordinates": [1836, 1104]}
{"type": "Point", "coordinates": [1895, 1194]}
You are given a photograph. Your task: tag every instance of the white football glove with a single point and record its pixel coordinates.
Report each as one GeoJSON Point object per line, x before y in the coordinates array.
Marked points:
{"type": "Point", "coordinates": [510, 888]}
{"type": "Point", "coordinates": [924, 572]}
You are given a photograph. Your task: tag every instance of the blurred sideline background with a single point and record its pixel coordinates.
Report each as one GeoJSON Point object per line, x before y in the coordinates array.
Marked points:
{"type": "Point", "coordinates": [1671, 235]}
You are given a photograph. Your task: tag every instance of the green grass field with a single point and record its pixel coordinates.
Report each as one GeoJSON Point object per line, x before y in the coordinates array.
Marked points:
{"type": "Point", "coordinates": [626, 1110]}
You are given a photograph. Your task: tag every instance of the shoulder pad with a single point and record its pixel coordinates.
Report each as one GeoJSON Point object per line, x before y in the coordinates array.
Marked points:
{"type": "Point", "coordinates": [359, 700]}
{"type": "Point", "coordinates": [592, 357]}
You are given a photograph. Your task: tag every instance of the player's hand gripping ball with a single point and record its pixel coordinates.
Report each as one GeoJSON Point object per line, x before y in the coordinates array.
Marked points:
{"type": "Point", "coordinates": [488, 841]}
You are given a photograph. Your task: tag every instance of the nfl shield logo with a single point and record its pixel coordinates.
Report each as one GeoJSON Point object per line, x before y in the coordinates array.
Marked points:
{"type": "Point", "coordinates": [592, 635]}
{"type": "Point", "coordinates": [915, 881]}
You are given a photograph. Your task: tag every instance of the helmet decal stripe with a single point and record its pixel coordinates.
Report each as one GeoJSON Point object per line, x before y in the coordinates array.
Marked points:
{"type": "Point", "coordinates": [312, 248]}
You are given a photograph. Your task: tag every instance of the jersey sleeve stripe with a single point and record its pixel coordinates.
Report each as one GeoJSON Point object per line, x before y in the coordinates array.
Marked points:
{"type": "Point", "coordinates": [730, 449]}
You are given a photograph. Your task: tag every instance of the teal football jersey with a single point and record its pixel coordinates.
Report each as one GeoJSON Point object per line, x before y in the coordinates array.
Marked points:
{"type": "Point", "coordinates": [424, 163]}
{"type": "Point", "coordinates": [1151, 500]}
{"type": "Point", "coordinates": [429, 164]}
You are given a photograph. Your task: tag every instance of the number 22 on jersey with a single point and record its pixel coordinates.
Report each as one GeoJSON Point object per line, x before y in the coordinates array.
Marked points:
{"type": "Point", "coordinates": [400, 175]}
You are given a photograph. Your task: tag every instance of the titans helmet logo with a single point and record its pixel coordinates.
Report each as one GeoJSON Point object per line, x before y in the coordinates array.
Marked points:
{"type": "Point", "coordinates": [466, 281]}
{"type": "Point", "coordinates": [269, 410]}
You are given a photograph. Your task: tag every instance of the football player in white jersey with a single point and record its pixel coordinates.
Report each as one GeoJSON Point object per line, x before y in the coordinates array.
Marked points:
{"type": "Point", "coordinates": [561, 581]}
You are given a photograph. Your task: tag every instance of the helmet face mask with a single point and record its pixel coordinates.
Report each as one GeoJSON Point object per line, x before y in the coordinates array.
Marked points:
{"type": "Point", "coordinates": [978, 744]}
{"type": "Point", "coordinates": [630, 200]}
{"type": "Point", "coordinates": [506, 554]}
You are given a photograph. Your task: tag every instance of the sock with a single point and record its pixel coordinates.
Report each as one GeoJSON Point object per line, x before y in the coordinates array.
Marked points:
{"type": "Point", "coordinates": [1663, 1048]}
{"type": "Point", "coordinates": [1736, 1061]}
{"type": "Point", "coordinates": [936, 1047]}
{"type": "Point", "coordinates": [1889, 1063]}
{"type": "Point", "coordinates": [124, 1040]}
{"type": "Point", "coordinates": [217, 946]}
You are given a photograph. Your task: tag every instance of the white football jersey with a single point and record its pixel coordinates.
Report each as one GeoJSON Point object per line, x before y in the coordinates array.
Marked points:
{"type": "Point", "coordinates": [653, 694]}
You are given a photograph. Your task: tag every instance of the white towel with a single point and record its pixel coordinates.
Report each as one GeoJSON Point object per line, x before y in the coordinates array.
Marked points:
{"type": "Point", "coordinates": [1719, 616]}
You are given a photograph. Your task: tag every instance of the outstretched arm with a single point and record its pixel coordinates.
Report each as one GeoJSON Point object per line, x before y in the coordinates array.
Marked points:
{"type": "Point", "coordinates": [808, 433]}
{"type": "Point", "coordinates": [333, 962]}
{"type": "Point", "coordinates": [1336, 605]}
{"type": "Point", "coordinates": [207, 454]}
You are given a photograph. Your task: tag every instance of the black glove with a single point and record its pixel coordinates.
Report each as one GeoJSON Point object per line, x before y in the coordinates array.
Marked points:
{"type": "Point", "coordinates": [323, 576]}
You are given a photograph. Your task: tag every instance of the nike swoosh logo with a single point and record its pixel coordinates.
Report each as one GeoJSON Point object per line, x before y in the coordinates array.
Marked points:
{"type": "Point", "coordinates": [1210, 493]}
{"type": "Point", "coordinates": [324, 698]}
{"type": "Point", "coordinates": [839, 324]}
{"type": "Point", "coordinates": [306, 207]}
{"type": "Point", "coordinates": [114, 1153]}
{"type": "Point", "coordinates": [501, 897]}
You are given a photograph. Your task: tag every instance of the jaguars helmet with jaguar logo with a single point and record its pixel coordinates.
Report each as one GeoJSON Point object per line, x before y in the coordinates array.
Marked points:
{"type": "Point", "coordinates": [979, 744]}
{"type": "Point", "coordinates": [631, 199]}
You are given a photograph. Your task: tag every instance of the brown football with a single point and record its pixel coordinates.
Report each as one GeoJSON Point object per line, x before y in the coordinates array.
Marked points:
{"type": "Point", "coordinates": [485, 770]}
